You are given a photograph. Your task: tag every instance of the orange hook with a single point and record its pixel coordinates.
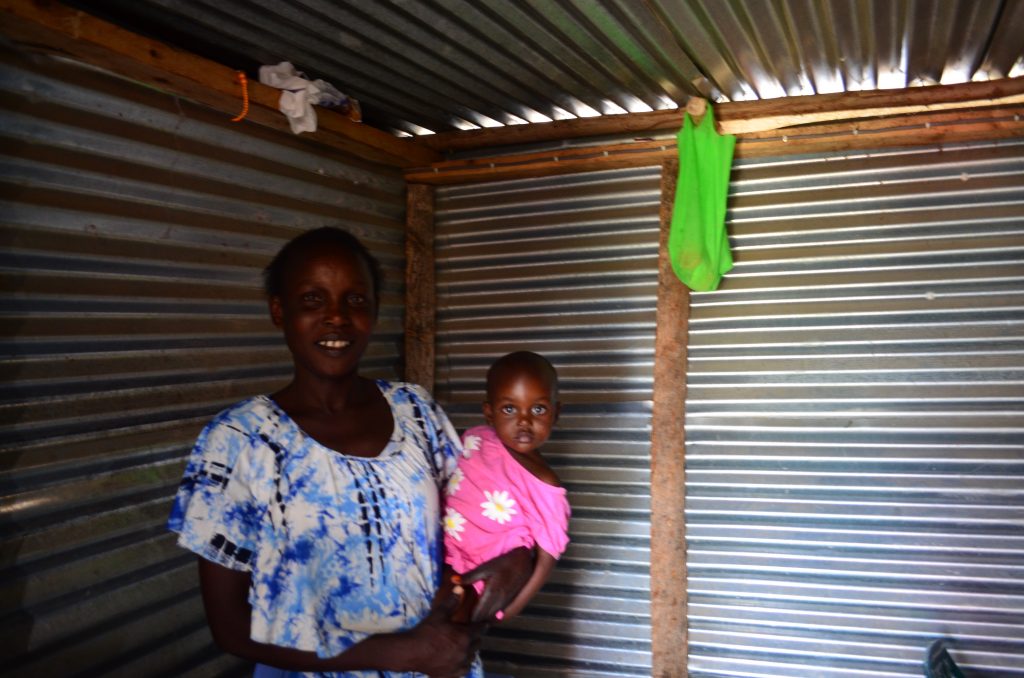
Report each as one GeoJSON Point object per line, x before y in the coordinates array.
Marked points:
{"type": "Point", "coordinates": [244, 82]}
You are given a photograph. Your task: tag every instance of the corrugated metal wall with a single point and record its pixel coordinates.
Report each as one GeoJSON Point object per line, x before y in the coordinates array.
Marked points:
{"type": "Point", "coordinates": [855, 410]}
{"type": "Point", "coordinates": [855, 419]}
{"type": "Point", "coordinates": [134, 228]}
{"type": "Point", "coordinates": [565, 266]}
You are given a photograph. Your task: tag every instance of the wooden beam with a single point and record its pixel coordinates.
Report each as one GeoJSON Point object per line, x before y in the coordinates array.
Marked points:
{"type": "Point", "coordinates": [745, 117]}
{"type": "Point", "coordinates": [606, 125]}
{"type": "Point", "coordinates": [59, 29]}
{"type": "Point", "coordinates": [772, 114]}
{"type": "Point", "coordinates": [898, 137]}
{"type": "Point", "coordinates": [420, 295]}
{"type": "Point", "coordinates": [916, 121]}
{"type": "Point", "coordinates": [918, 130]}
{"type": "Point", "coordinates": [669, 639]}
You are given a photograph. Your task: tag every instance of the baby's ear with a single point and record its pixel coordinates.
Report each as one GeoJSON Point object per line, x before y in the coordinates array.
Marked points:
{"type": "Point", "coordinates": [558, 411]}
{"type": "Point", "coordinates": [488, 413]}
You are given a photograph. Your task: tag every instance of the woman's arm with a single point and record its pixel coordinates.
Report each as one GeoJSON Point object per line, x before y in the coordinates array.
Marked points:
{"type": "Point", "coordinates": [435, 647]}
{"type": "Point", "coordinates": [541, 569]}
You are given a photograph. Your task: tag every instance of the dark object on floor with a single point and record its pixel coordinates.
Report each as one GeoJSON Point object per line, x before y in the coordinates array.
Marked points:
{"type": "Point", "coordinates": [938, 663]}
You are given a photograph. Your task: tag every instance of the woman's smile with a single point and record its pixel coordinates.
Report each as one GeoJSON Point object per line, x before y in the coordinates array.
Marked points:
{"type": "Point", "coordinates": [333, 344]}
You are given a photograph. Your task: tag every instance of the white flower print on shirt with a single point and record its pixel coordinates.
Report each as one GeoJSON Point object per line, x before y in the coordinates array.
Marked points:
{"type": "Point", "coordinates": [452, 486]}
{"type": "Point", "coordinates": [469, 445]}
{"type": "Point", "coordinates": [453, 523]}
{"type": "Point", "coordinates": [498, 506]}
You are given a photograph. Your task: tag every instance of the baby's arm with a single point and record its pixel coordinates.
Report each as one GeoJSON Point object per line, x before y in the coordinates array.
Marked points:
{"type": "Point", "coordinates": [544, 563]}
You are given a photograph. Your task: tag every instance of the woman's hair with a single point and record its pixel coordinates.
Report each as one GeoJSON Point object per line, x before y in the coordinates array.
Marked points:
{"type": "Point", "coordinates": [325, 236]}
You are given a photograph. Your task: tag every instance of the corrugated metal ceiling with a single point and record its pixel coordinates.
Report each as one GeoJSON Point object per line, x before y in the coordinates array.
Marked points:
{"type": "Point", "coordinates": [420, 66]}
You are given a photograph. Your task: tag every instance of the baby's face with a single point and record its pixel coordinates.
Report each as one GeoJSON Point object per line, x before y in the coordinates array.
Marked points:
{"type": "Point", "coordinates": [522, 410]}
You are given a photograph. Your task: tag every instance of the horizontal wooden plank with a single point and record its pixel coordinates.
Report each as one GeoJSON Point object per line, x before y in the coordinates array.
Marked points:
{"type": "Point", "coordinates": [56, 28]}
{"type": "Point", "coordinates": [893, 132]}
{"type": "Point", "coordinates": [744, 117]}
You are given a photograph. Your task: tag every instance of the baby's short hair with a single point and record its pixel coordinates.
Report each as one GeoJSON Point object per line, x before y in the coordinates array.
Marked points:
{"type": "Point", "coordinates": [523, 360]}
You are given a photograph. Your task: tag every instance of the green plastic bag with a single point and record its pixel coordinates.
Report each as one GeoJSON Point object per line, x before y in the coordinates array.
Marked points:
{"type": "Point", "coordinates": [697, 241]}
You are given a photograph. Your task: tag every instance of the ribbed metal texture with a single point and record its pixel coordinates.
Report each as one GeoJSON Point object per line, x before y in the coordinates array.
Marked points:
{"type": "Point", "coordinates": [436, 65]}
{"type": "Point", "coordinates": [135, 227]}
{"type": "Point", "coordinates": [565, 266]}
{"type": "Point", "coordinates": [855, 419]}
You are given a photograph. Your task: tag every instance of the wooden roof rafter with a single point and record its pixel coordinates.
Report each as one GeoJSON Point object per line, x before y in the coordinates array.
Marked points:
{"type": "Point", "coordinates": [751, 117]}
{"type": "Point", "coordinates": [58, 29]}
{"type": "Point", "coordinates": [833, 122]}
{"type": "Point", "coordinates": [940, 114]}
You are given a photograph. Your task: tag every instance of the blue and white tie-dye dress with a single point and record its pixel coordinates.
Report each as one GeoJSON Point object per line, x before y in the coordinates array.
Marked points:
{"type": "Point", "coordinates": [338, 547]}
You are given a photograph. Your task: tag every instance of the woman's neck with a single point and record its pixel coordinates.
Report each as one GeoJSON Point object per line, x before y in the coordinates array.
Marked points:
{"type": "Point", "coordinates": [307, 394]}
{"type": "Point", "coordinates": [350, 416]}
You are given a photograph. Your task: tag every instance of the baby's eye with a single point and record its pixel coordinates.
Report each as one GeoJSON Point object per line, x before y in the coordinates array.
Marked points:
{"type": "Point", "coordinates": [310, 298]}
{"type": "Point", "coordinates": [539, 409]}
{"type": "Point", "coordinates": [508, 409]}
{"type": "Point", "coordinates": [357, 299]}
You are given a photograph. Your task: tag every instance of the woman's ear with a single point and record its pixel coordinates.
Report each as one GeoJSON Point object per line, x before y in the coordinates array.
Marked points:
{"type": "Point", "coordinates": [276, 311]}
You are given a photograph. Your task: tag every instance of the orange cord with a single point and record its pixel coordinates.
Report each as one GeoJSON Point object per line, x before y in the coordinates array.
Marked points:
{"type": "Point", "coordinates": [245, 97]}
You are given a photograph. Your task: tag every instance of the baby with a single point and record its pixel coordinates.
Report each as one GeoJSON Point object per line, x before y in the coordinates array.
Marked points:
{"type": "Point", "coordinates": [503, 494]}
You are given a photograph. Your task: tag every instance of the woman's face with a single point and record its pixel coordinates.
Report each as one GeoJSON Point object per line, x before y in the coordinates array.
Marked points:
{"type": "Point", "coordinates": [327, 311]}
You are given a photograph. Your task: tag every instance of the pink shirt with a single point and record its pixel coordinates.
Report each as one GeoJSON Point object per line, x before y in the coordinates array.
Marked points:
{"type": "Point", "coordinates": [494, 505]}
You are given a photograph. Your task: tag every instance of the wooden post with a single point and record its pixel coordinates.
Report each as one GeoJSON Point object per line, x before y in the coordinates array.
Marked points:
{"type": "Point", "coordinates": [668, 529]}
{"type": "Point", "coordinates": [420, 295]}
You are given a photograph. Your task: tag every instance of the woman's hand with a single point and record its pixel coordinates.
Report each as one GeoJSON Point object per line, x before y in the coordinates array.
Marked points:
{"type": "Point", "coordinates": [441, 648]}
{"type": "Point", "coordinates": [436, 646]}
{"type": "Point", "coordinates": [503, 578]}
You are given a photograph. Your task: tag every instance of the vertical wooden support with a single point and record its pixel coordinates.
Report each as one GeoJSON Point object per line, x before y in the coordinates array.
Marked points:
{"type": "Point", "coordinates": [668, 531]}
{"type": "Point", "coordinates": [420, 295]}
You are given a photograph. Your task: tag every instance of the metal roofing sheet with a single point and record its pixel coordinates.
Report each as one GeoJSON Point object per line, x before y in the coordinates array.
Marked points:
{"type": "Point", "coordinates": [420, 66]}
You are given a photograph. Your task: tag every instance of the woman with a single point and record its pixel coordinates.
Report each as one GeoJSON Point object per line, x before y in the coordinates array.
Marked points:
{"type": "Point", "coordinates": [315, 510]}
